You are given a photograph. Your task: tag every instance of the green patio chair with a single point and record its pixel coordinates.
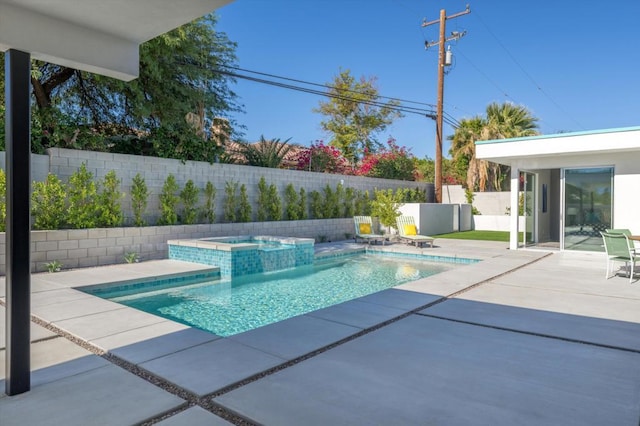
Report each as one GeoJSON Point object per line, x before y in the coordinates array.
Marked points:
{"type": "Point", "coordinates": [622, 231]}
{"type": "Point", "coordinates": [619, 249]}
{"type": "Point", "coordinates": [408, 232]}
{"type": "Point", "coordinates": [365, 230]}
{"type": "Point", "coordinates": [618, 231]}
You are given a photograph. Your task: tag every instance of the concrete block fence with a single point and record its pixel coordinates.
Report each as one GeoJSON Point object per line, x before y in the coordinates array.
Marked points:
{"type": "Point", "coordinates": [80, 248]}
{"type": "Point", "coordinates": [64, 162]}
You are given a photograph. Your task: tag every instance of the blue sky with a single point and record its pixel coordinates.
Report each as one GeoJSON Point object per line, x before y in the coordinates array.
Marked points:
{"type": "Point", "coordinates": [573, 64]}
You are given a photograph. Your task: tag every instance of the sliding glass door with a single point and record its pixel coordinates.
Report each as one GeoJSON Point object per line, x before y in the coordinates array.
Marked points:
{"type": "Point", "coordinates": [588, 207]}
{"type": "Point", "coordinates": [527, 213]}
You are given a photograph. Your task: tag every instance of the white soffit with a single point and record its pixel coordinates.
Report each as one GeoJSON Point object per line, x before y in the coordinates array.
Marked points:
{"type": "Point", "coordinates": [99, 36]}
{"type": "Point", "coordinates": [596, 142]}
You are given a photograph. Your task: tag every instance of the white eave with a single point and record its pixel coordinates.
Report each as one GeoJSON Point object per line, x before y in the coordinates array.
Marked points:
{"type": "Point", "coordinates": [100, 36]}
{"type": "Point", "coordinates": [506, 151]}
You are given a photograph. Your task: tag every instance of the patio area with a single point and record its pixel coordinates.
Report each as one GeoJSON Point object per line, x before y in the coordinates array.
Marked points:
{"type": "Point", "coordinates": [524, 337]}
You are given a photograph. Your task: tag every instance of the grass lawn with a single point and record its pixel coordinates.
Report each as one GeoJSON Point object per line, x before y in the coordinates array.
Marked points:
{"type": "Point", "coordinates": [477, 235]}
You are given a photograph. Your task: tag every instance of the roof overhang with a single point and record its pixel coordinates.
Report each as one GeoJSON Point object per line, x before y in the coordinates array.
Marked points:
{"type": "Point", "coordinates": [99, 36]}
{"type": "Point", "coordinates": [508, 151]}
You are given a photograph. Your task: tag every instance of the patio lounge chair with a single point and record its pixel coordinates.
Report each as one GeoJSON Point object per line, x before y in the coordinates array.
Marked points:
{"type": "Point", "coordinates": [618, 231]}
{"type": "Point", "coordinates": [408, 232]}
{"type": "Point", "coordinates": [364, 230]}
{"type": "Point", "coordinates": [619, 248]}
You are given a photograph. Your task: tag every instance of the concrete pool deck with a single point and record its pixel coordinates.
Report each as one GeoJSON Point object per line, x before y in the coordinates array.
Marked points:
{"type": "Point", "coordinates": [523, 337]}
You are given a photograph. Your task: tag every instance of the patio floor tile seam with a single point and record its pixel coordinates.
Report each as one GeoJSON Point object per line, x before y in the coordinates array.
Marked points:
{"type": "Point", "coordinates": [115, 308]}
{"type": "Point", "coordinates": [45, 339]}
{"type": "Point", "coordinates": [35, 341]}
{"type": "Point", "coordinates": [154, 379]}
{"type": "Point", "coordinates": [360, 333]}
{"type": "Point", "coordinates": [531, 333]}
{"type": "Point", "coordinates": [568, 291]}
{"type": "Point", "coordinates": [60, 332]}
{"type": "Point", "coordinates": [190, 398]}
{"type": "Point", "coordinates": [205, 401]}
{"type": "Point", "coordinates": [490, 279]}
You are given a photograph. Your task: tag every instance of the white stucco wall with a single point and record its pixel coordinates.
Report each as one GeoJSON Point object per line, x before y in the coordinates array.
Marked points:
{"type": "Point", "coordinates": [495, 222]}
{"type": "Point", "coordinates": [626, 193]}
{"type": "Point", "coordinates": [434, 219]}
{"type": "Point", "coordinates": [491, 203]}
{"type": "Point", "coordinates": [617, 148]}
{"type": "Point", "coordinates": [626, 181]}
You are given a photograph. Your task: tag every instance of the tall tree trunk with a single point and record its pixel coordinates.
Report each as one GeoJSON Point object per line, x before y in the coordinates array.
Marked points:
{"type": "Point", "coordinates": [42, 98]}
{"type": "Point", "coordinates": [43, 89]}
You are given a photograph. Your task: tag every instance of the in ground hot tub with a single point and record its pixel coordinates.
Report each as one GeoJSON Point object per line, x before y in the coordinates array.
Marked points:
{"type": "Point", "coordinates": [243, 255]}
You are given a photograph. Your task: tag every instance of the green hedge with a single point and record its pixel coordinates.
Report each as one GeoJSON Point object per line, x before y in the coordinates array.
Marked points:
{"type": "Point", "coordinates": [83, 202]}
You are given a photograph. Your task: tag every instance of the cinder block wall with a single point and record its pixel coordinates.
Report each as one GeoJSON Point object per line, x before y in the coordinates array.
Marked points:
{"type": "Point", "coordinates": [64, 162]}
{"type": "Point", "coordinates": [79, 248]}
{"type": "Point", "coordinates": [39, 165]}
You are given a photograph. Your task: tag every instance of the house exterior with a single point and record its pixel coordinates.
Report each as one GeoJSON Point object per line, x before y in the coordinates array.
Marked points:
{"type": "Point", "coordinates": [570, 186]}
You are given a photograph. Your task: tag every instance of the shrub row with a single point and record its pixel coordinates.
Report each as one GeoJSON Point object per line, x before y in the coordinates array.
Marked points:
{"type": "Point", "coordinates": [85, 203]}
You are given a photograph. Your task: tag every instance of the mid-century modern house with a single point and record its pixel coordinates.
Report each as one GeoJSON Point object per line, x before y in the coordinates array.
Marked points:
{"type": "Point", "coordinates": [570, 186]}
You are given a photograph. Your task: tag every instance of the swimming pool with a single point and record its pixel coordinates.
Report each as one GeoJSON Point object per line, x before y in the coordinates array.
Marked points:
{"type": "Point", "coordinates": [228, 307]}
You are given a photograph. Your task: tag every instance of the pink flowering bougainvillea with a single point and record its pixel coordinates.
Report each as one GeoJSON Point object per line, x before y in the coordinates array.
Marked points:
{"type": "Point", "coordinates": [323, 158]}
{"type": "Point", "coordinates": [391, 162]}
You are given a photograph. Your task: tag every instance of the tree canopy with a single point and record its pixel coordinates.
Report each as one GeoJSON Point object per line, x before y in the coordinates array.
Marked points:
{"type": "Point", "coordinates": [501, 121]}
{"type": "Point", "coordinates": [354, 115]}
{"type": "Point", "coordinates": [167, 111]}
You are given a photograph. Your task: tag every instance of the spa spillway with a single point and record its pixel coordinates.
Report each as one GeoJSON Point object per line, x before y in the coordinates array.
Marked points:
{"type": "Point", "coordinates": [244, 255]}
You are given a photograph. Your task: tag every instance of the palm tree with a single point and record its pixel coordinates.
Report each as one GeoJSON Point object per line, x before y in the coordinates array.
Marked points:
{"type": "Point", "coordinates": [508, 120]}
{"type": "Point", "coordinates": [502, 121]}
{"type": "Point", "coordinates": [266, 153]}
{"type": "Point", "coordinates": [505, 121]}
{"type": "Point", "coordinates": [463, 149]}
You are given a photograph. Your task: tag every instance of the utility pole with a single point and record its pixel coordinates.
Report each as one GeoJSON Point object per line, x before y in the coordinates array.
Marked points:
{"type": "Point", "coordinates": [441, 64]}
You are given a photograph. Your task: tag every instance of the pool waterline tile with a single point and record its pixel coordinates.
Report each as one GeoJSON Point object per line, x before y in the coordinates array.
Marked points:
{"type": "Point", "coordinates": [245, 255]}
{"type": "Point", "coordinates": [234, 306]}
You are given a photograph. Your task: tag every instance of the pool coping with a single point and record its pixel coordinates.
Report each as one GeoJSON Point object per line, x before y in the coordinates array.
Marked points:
{"type": "Point", "coordinates": [179, 358]}
{"type": "Point", "coordinates": [223, 244]}
{"type": "Point", "coordinates": [70, 322]}
{"type": "Point", "coordinates": [194, 362]}
{"type": "Point", "coordinates": [213, 272]}
{"type": "Point", "coordinates": [117, 290]}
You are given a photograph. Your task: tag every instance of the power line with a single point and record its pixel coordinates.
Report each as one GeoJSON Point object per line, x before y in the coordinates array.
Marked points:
{"type": "Point", "coordinates": [328, 86]}
{"type": "Point", "coordinates": [531, 79]}
{"type": "Point", "coordinates": [399, 108]}
{"type": "Point", "coordinates": [414, 12]}
{"type": "Point", "coordinates": [494, 84]}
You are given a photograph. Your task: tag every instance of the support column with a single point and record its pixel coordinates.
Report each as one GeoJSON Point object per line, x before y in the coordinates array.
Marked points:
{"type": "Point", "coordinates": [515, 198]}
{"type": "Point", "coordinates": [18, 245]}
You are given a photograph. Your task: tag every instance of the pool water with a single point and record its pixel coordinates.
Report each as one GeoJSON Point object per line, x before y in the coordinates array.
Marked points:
{"type": "Point", "coordinates": [228, 307]}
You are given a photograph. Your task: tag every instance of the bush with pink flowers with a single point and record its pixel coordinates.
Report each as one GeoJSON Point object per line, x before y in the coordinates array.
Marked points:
{"type": "Point", "coordinates": [391, 162]}
{"type": "Point", "coordinates": [323, 158]}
